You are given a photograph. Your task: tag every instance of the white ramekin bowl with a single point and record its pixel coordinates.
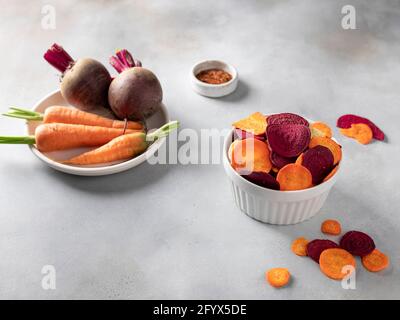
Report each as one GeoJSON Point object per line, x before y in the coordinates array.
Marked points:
{"type": "Point", "coordinates": [272, 206]}
{"type": "Point", "coordinates": [213, 90]}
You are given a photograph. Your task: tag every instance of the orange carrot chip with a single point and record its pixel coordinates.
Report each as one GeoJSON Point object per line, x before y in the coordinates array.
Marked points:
{"type": "Point", "coordinates": [322, 128]}
{"type": "Point", "coordinates": [256, 124]}
{"type": "Point", "coordinates": [278, 277]}
{"type": "Point", "coordinates": [332, 227]}
{"type": "Point", "coordinates": [375, 261]}
{"type": "Point", "coordinates": [299, 246]}
{"type": "Point", "coordinates": [294, 177]}
{"type": "Point", "coordinates": [332, 262]}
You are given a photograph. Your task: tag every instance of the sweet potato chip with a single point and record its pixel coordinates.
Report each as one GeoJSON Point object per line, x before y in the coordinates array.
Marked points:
{"type": "Point", "coordinates": [256, 124]}
{"type": "Point", "coordinates": [330, 144]}
{"type": "Point", "coordinates": [357, 243]}
{"type": "Point", "coordinates": [323, 128]}
{"type": "Point", "coordinates": [332, 261]}
{"type": "Point", "coordinates": [332, 227]}
{"type": "Point", "coordinates": [319, 160]}
{"type": "Point", "coordinates": [288, 140]}
{"type": "Point", "coordinates": [278, 277]}
{"type": "Point", "coordinates": [347, 120]}
{"type": "Point", "coordinates": [299, 246]}
{"type": "Point", "coordinates": [287, 118]}
{"type": "Point", "coordinates": [375, 261]}
{"type": "Point", "coordinates": [359, 131]}
{"type": "Point", "coordinates": [294, 177]}
{"type": "Point", "coordinates": [250, 155]}
{"type": "Point", "coordinates": [315, 247]}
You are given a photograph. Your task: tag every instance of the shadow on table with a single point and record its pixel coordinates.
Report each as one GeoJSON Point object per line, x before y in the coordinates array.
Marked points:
{"type": "Point", "coordinates": [127, 181]}
{"type": "Point", "coordinates": [241, 92]}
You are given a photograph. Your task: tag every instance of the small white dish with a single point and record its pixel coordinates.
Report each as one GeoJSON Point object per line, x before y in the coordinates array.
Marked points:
{"type": "Point", "coordinates": [273, 206]}
{"type": "Point", "coordinates": [52, 158]}
{"type": "Point", "coordinates": [214, 90]}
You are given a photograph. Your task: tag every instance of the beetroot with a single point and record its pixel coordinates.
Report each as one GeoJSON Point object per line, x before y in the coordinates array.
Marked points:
{"type": "Point", "coordinates": [319, 160]}
{"type": "Point", "coordinates": [136, 92]}
{"type": "Point", "coordinates": [347, 120]}
{"type": "Point", "coordinates": [357, 243]}
{"type": "Point", "coordinates": [315, 248]}
{"type": "Point", "coordinates": [279, 161]}
{"type": "Point", "coordinates": [84, 82]}
{"type": "Point", "coordinates": [242, 134]}
{"type": "Point", "coordinates": [286, 118]}
{"type": "Point", "coordinates": [262, 179]}
{"type": "Point", "coordinates": [288, 140]}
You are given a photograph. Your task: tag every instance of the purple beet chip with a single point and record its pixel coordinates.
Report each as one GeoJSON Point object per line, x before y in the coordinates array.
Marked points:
{"type": "Point", "coordinates": [319, 161]}
{"type": "Point", "coordinates": [279, 161]}
{"type": "Point", "coordinates": [357, 243]}
{"type": "Point", "coordinates": [315, 248]}
{"type": "Point", "coordinates": [262, 179]}
{"type": "Point", "coordinates": [288, 140]}
{"type": "Point", "coordinates": [286, 118]}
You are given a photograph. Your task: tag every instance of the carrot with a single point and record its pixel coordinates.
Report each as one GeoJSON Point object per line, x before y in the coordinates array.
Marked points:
{"type": "Point", "coordinates": [332, 227]}
{"type": "Point", "coordinates": [256, 123]}
{"type": "Point", "coordinates": [375, 261]}
{"type": "Point", "coordinates": [123, 147]}
{"type": "Point", "coordinates": [294, 177]}
{"type": "Point", "coordinates": [323, 128]}
{"type": "Point", "coordinates": [61, 136]}
{"type": "Point", "coordinates": [359, 131]}
{"type": "Point", "coordinates": [278, 277]}
{"type": "Point", "coordinates": [299, 159]}
{"type": "Point", "coordinates": [60, 114]}
{"type": "Point", "coordinates": [251, 155]}
{"type": "Point", "coordinates": [299, 246]}
{"type": "Point", "coordinates": [330, 144]}
{"type": "Point", "coordinates": [332, 261]}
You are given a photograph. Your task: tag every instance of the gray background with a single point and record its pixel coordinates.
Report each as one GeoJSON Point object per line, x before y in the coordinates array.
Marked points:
{"type": "Point", "coordinates": [173, 231]}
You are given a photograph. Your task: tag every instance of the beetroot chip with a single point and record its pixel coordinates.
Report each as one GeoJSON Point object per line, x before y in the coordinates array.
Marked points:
{"type": "Point", "coordinates": [357, 243]}
{"type": "Point", "coordinates": [286, 118]}
{"type": "Point", "coordinates": [288, 140]}
{"type": "Point", "coordinates": [347, 120]}
{"type": "Point", "coordinates": [262, 179]}
{"type": "Point", "coordinates": [242, 134]}
{"type": "Point", "coordinates": [315, 248]}
{"type": "Point", "coordinates": [319, 160]}
{"type": "Point", "coordinates": [279, 161]}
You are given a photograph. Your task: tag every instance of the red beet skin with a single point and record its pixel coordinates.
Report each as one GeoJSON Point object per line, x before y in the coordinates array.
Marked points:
{"type": "Point", "coordinates": [319, 160]}
{"type": "Point", "coordinates": [347, 120]}
{"type": "Point", "coordinates": [262, 179]}
{"type": "Point", "coordinates": [279, 161]}
{"type": "Point", "coordinates": [357, 243]}
{"type": "Point", "coordinates": [287, 118]}
{"type": "Point", "coordinates": [288, 140]}
{"type": "Point", "coordinates": [315, 248]}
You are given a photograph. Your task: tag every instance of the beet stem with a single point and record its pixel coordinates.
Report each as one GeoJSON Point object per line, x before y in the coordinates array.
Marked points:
{"type": "Point", "coordinates": [123, 60]}
{"type": "Point", "coordinates": [58, 58]}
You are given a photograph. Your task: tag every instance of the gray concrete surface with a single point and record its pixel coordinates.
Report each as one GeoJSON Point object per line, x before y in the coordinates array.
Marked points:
{"type": "Point", "coordinates": [172, 231]}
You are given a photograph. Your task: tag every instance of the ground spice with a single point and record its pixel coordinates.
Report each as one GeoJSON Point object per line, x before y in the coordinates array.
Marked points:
{"type": "Point", "coordinates": [214, 76]}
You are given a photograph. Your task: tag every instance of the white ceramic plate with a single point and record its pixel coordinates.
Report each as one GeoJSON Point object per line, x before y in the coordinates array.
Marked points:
{"type": "Point", "coordinates": [51, 158]}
